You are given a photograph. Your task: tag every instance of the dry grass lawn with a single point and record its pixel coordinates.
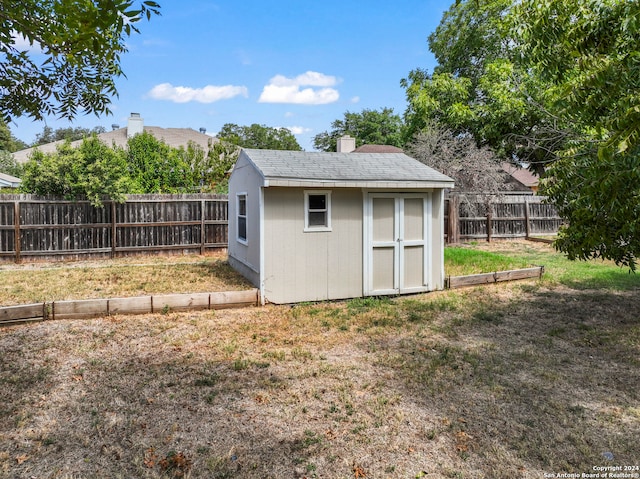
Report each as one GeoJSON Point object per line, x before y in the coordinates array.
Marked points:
{"type": "Point", "coordinates": [507, 381]}
{"type": "Point", "coordinates": [122, 277]}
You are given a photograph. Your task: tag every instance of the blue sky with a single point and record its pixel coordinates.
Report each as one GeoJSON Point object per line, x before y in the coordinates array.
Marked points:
{"type": "Point", "coordinates": [292, 63]}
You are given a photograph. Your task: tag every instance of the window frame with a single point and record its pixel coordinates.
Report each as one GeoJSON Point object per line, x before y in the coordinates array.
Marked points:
{"type": "Point", "coordinates": [327, 210]}
{"type": "Point", "coordinates": [239, 197]}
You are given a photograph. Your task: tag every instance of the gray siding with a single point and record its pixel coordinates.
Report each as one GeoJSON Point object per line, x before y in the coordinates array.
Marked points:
{"type": "Point", "coordinates": [312, 266]}
{"type": "Point", "coordinates": [245, 257]}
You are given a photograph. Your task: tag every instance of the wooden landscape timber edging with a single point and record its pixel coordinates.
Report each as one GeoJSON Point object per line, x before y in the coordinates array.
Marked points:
{"type": "Point", "coordinates": [540, 240]}
{"type": "Point", "coordinates": [95, 308]}
{"type": "Point", "coordinates": [453, 282]}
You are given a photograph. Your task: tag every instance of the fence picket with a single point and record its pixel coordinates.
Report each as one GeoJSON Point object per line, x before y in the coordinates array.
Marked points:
{"type": "Point", "coordinates": [51, 228]}
{"type": "Point", "coordinates": [508, 216]}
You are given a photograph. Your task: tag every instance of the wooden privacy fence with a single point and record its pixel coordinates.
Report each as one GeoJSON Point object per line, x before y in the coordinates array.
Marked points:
{"type": "Point", "coordinates": [507, 216]}
{"type": "Point", "coordinates": [44, 228]}
{"type": "Point", "coordinates": [32, 227]}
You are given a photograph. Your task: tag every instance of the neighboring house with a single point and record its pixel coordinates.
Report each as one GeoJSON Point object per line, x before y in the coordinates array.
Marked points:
{"type": "Point", "coordinates": [174, 137]}
{"type": "Point", "coordinates": [347, 144]}
{"type": "Point", "coordinates": [522, 176]}
{"type": "Point", "coordinates": [311, 226]}
{"type": "Point", "coordinates": [8, 181]}
{"type": "Point", "coordinates": [368, 148]}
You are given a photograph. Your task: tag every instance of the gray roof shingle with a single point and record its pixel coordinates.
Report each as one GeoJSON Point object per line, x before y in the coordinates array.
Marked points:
{"type": "Point", "coordinates": [343, 167]}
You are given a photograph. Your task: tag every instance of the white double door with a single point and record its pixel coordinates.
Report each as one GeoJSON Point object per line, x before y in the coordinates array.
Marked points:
{"type": "Point", "coordinates": [397, 231]}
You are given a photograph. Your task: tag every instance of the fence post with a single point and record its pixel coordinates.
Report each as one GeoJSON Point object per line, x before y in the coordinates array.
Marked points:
{"type": "Point", "coordinates": [16, 223]}
{"type": "Point", "coordinates": [113, 229]}
{"type": "Point", "coordinates": [526, 219]}
{"type": "Point", "coordinates": [453, 219]}
{"type": "Point", "coordinates": [489, 225]}
{"type": "Point", "coordinates": [202, 225]}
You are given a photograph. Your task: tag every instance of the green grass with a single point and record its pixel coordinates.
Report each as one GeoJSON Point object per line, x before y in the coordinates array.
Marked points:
{"type": "Point", "coordinates": [581, 275]}
{"type": "Point", "coordinates": [594, 274]}
{"type": "Point", "coordinates": [461, 261]}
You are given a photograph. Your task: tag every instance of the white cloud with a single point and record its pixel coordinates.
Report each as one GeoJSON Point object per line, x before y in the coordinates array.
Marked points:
{"type": "Point", "coordinates": [208, 94]}
{"type": "Point", "coordinates": [22, 44]}
{"type": "Point", "coordinates": [288, 90]}
{"type": "Point", "coordinates": [298, 130]}
{"type": "Point", "coordinates": [306, 79]}
{"type": "Point", "coordinates": [355, 99]}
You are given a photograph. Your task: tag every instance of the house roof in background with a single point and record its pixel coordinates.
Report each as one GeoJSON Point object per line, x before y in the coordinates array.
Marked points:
{"type": "Point", "coordinates": [365, 170]}
{"type": "Point", "coordinates": [522, 175]}
{"type": "Point", "coordinates": [378, 149]}
{"type": "Point", "coordinates": [174, 137]}
{"type": "Point", "coordinates": [9, 181]}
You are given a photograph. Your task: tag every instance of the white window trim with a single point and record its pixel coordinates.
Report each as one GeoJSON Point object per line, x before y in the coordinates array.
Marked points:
{"type": "Point", "coordinates": [243, 241]}
{"type": "Point", "coordinates": [312, 229]}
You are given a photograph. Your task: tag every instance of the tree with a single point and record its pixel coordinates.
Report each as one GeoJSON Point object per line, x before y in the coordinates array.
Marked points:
{"type": "Point", "coordinates": [9, 165]}
{"type": "Point", "coordinates": [49, 135]}
{"type": "Point", "coordinates": [554, 82]}
{"type": "Point", "coordinates": [367, 127]}
{"type": "Point", "coordinates": [222, 157]}
{"type": "Point", "coordinates": [259, 136]}
{"type": "Point", "coordinates": [588, 52]}
{"type": "Point", "coordinates": [155, 167]}
{"type": "Point", "coordinates": [73, 54]}
{"type": "Point", "coordinates": [92, 170]}
{"type": "Point", "coordinates": [209, 172]}
{"type": "Point", "coordinates": [481, 88]}
{"type": "Point", "coordinates": [147, 165]}
{"type": "Point", "coordinates": [8, 142]}
{"type": "Point", "coordinates": [473, 169]}
{"type": "Point", "coordinates": [599, 198]}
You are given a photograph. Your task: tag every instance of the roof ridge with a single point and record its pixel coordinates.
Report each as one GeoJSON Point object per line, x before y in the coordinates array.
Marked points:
{"type": "Point", "coordinates": [334, 166]}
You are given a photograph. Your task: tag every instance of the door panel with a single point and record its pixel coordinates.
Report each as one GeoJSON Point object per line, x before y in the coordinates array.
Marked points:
{"type": "Point", "coordinates": [384, 254]}
{"type": "Point", "coordinates": [384, 266]}
{"type": "Point", "coordinates": [413, 267]}
{"type": "Point", "coordinates": [413, 244]}
{"type": "Point", "coordinates": [384, 220]}
{"type": "Point", "coordinates": [397, 240]}
{"type": "Point", "coordinates": [413, 219]}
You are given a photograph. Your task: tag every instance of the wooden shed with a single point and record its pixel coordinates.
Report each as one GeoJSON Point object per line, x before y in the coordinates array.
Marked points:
{"type": "Point", "coordinates": [311, 226]}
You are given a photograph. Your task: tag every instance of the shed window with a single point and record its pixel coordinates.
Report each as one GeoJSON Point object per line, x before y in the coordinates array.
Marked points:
{"type": "Point", "coordinates": [242, 217]}
{"type": "Point", "coordinates": [317, 210]}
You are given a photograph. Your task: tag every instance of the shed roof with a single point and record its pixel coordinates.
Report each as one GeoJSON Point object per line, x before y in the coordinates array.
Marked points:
{"type": "Point", "coordinates": [362, 170]}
